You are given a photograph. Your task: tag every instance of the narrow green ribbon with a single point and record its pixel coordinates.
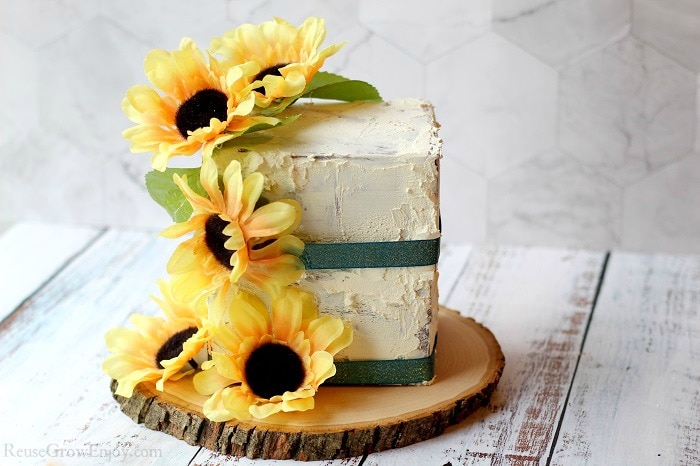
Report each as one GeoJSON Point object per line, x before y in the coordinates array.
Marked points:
{"type": "Point", "coordinates": [384, 372]}
{"type": "Point", "coordinates": [414, 253]}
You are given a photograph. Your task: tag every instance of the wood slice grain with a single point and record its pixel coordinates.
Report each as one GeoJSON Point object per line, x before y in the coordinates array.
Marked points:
{"type": "Point", "coordinates": [347, 421]}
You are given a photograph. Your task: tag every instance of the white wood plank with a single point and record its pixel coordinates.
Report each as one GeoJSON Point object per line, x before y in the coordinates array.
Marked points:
{"type": "Point", "coordinates": [51, 349]}
{"type": "Point", "coordinates": [636, 397]}
{"type": "Point", "coordinates": [207, 457]}
{"type": "Point", "coordinates": [453, 259]}
{"type": "Point", "coordinates": [536, 302]}
{"type": "Point", "coordinates": [30, 253]}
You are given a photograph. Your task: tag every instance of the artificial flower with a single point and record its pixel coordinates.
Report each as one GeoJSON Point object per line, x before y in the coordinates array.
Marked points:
{"type": "Point", "coordinates": [270, 363]}
{"type": "Point", "coordinates": [203, 106]}
{"type": "Point", "coordinates": [288, 56]}
{"type": "Point", "coordinates": [158, 349]}
{"type": "Point", "coordinates": [232, 237]}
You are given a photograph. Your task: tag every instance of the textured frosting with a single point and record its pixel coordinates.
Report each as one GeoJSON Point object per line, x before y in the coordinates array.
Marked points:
{"type": "Point", "coordinates": [362, 172]}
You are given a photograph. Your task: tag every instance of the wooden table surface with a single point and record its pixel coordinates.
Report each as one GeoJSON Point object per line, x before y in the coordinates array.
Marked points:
{"type": "Point", "coordinates": [602, 354]}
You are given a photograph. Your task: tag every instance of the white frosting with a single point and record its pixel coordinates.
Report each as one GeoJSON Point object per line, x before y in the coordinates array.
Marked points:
{"type": "Point", "coordinates": [362, 172]}
{"type": "Point", "coordinates": [389, 309]}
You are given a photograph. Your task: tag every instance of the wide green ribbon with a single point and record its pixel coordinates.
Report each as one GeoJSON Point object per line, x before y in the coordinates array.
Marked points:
{"type": "Point", "coordinates": [384, 372]}
{"type": "Point", "coordinates": [383, 254]}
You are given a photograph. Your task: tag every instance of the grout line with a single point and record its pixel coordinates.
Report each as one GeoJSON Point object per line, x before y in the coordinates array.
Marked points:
{"type": "Point", "coordinates": [68, 262]}
{"type": "Point", "coordinates": [601, 279]}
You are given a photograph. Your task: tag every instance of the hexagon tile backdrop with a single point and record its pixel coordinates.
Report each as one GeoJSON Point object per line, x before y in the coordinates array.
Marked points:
{"type": "Point", "coordinates": [565, 122]}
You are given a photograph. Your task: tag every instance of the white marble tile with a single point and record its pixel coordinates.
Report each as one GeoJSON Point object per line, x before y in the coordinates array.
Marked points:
{"type": "Point", "coordinates": [661, 212]}
{"type": "Point", "coordinates": [672, 26]}
{"type": "Point", "coordinates": [496, 104]}
{"type": "Point", "coordinates": [627, 111]}
{"type": "Point", "coordinates": [39, 22]}
{"type": "Point", "coordinates": [558, 31]}
{"type": "Point", "coordinates": [697, 117]}
{"type": "Point", "coordinates": [163, 23]}
{"type": "Point", "coordinates": [127, 203]}
{"type": "Point", "coordinates": [423, 29]}
{"type": "Point", "coordinates": [47, 178]}
{"type": "Point", "coordinates": [370, 58]}
{"type": "Point", "coordinates": [555, 201]}
{"type": "Point", "coordinates": [340, 15]}
{"type": "Point", "coordinates": [19, 89]}
{"type": "Point", "coordinates": [90, 71]}
{"type": "Point", "coordinates": [462, 202]}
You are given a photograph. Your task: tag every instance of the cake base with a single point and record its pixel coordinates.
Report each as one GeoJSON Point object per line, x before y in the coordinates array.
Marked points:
{"type": "Point", "coordinates": [347, 420]}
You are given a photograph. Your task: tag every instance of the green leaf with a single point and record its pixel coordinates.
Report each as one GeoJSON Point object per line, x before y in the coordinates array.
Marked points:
{"type": "Point", "coordinates": [264, 126]}
{"type": "Point", "coordinates": [321, 79]}
{"type": "Point", "coordinates": [348, 91]}
{"type": "Point", "coordinates": [164, 191]}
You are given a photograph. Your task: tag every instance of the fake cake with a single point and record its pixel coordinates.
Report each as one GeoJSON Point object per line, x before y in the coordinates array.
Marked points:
{"type": "Point", "coordinates": [308, 235]}
{"type": "Point", "coordinates": [367, 178]}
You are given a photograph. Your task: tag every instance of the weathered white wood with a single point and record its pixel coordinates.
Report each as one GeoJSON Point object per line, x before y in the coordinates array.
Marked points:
{"type": "Point", "coordinates": [53, 394]}
{"type": "Point", "coordinates": [536, 302]}
{"type": "Point", "coordinates": [636, 397]}
{"type": "Point", "coordinates": [30, 253]}
{"type": "Point", "coordinates": [453, 259]}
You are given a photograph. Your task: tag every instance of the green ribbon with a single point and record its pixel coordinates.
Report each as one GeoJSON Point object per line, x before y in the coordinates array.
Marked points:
{"type": "Point", "coordinates": [384, 372]}
{"type": "Point", "coordinates": [414, 253]}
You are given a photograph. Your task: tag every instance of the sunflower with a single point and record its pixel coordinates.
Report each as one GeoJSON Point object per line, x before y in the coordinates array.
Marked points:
{"type": "Point", "coordinates": [232, 238]}
{"type": "Point", "coordinates": [288, 57]}
{"type": "Point", "coordinates": [269, 363]}
{"type": "Point", "coordinates": [204, 104]}
{"type": "Point", "coordinates": [158, 349]}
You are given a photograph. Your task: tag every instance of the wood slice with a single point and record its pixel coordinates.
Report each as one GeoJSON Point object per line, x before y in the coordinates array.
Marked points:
{"type": "Point", "coordinates": [347, 420]}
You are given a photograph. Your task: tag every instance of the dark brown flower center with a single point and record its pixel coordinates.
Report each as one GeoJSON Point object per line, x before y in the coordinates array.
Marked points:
{"type": "Point", "coordinates": [173, 346]}
{"type": "Point", "coordinates": [215, 239]}
{"type": "Point", "coordinates": [272, 70]}
{"type": "Point", "coordinates": [263, 244]}
{"type": "Point", "coordinates": [273, 369]}
{"type": "Point", "coordinates": [197, 111]}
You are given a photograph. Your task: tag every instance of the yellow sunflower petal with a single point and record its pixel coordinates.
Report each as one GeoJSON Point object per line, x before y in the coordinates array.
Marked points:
{"type": "Point", "coordinates": [249, 316]}
{"type": "Point", "coordinates": [286, 315]}
{"type": "Point", "coordinates": [126, 385]}
{"type": "Point", "coordinates": [236, 239]}
{"type": "Point", "coordinates": [342, 342]}
{"type": "Point", "coordinates": [252, 189]}
{"type": "Point", "coordinates": [324, 331]}
{"type": "Point", "coordinates": [147, 138]}
{"type": "Point", "coordinates": [240, 263]}
{"type": "Point", "coordinates": [287, 244]}
{"type": "Point", "coordinates": [226, 404]}
{"type": "Point", "coordinates": [191, 65]}
{"type": "Point", "coordinates": [209, 179]}
{"type": "Point", "coordinates": [227, 367]}
{"type": "Point", "coordinates": [209, 381]}
{"type": "Point", "coordinates": [179, 229]}
{"type": "Point", "coordinates": [322, 367]}
{"type": "Point", "coordinates": [144, 105]}
{"type": "Point", "coordinates": [233, 188]}
{"type": "Point", "coordinates": [162, 72]}
{"type": "Point", "coordinates": [183, 259]}
{"type": "Point", "coordinates": [197, 201]}
{"type": "Point", "coordinates": [264, 410]}
{"type": "Point", "coordinates": [280, 271]}
{"type": "Point", "coordinates": [190, 286]}
{"type": "Point", "coordinates": [272, 219]}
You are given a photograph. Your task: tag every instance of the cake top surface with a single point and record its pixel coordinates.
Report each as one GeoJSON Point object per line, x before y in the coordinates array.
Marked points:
{"type": "Point", "coordinates": [402, 127]}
